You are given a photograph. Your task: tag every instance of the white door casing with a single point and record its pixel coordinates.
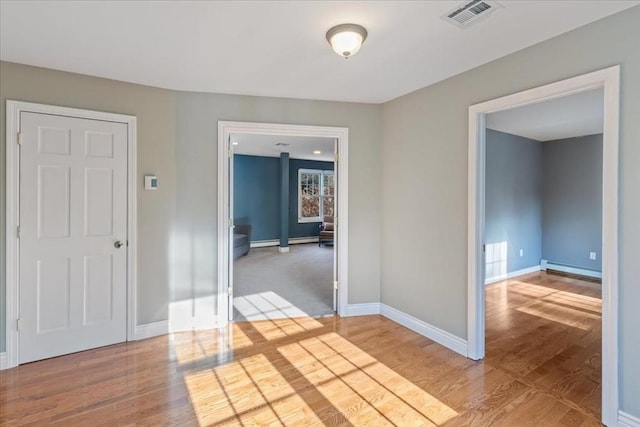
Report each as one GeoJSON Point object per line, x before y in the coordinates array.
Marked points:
{"type": "Point", "coordinates": [225, 237]}
{"type": "Point", "coordinates": [76, 288]}
{"type": "Point", "coordinates": [231, 227]}
{"type": "Point", "coordinates": [609, 79]}
{"type": "Point", "coordinates": [336, 208]}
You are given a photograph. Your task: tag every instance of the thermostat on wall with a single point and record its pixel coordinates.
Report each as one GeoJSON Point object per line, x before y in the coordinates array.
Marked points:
{"type": "Point", "coordinates": [150, 182]}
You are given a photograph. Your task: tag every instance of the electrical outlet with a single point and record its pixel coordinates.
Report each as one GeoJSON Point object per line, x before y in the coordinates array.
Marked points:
{"type": "Point", "coordinates": [592, 255]}
{"type": "Point", "coordinates": [521, 252]}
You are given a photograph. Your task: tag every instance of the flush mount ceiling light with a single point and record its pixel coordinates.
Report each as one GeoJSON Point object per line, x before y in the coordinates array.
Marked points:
{"type": "Point", "coordinates": [346, 39]}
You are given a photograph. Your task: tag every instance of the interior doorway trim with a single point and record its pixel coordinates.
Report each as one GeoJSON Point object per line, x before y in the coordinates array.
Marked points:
{"type": "Point", "coordinates": [609, 79]}
{"type": "Point", "coordinates": [341, 134]}
{"type": "Point", "coordinates": [14, 108]}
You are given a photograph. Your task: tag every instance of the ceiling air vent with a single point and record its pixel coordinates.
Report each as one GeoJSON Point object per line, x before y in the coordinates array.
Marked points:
{"type": "Point", "coordinates": [469, 13]}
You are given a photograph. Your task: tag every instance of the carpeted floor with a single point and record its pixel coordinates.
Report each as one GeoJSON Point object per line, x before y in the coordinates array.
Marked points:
{"type": "Point", "coordinates": [273, 285]}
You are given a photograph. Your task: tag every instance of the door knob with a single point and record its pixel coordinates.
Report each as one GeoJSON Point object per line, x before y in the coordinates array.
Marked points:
{"type": "Point", "coordinates": [118, 244]}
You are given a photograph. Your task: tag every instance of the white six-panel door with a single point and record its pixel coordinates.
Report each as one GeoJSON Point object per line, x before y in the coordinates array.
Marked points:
{"type": "Point", "coordinates": [73, 228]}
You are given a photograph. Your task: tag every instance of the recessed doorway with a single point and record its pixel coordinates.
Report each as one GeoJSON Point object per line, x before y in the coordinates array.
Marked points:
{"type": "Point", "coordinates": [283, 208]}
{"type": "Point", "coordinates": [609, 80]}
{"type": "Point", "coordinates": [228, 224]}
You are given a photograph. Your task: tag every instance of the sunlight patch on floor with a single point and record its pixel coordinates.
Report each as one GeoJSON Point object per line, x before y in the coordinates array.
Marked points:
{"type": "Point", "coordinates": [364, 390]}
{"type": "Point", "coordinates": [578, 301]}
{"type": "Point", "coordinates": [193, 346]}
{"type": "Point", "coordinates": [561, 314]}
{"type": "Point", "coordinates": [528, 289]}
{"type": "Point", "coordinates": [251, 389]}
{"type": "Point", "coordinates": [266, 305]}
{"type": "Point", "coordinates": [280, 328]}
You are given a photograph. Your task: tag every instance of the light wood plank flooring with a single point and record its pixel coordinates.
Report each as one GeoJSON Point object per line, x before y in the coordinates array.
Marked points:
{"type": "Point", "coordinates": [542, 369]}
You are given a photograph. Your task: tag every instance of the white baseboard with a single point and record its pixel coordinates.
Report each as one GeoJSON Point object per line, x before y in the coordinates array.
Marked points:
{"type": "Point", "coordinates": [276, 242]}
{"type": "Point", "coordinates": [444, 338]}
{"type": "Point", "coordinates": [264, 243]}
{"type": "Point", "coordinates": [511, 275]}
{"type": "Point", "coordinates": [298, 240]}
{"type": "Point", "coordinates": [627, 420]}
{"type": "Point", "coordinates": [154, 329]}
{"type": "Point", "coordinates": [546, 265]}
{"type": "Point", "coordinates": [364, 309]}
{"type": "Point", "coordinates": [3, 361]}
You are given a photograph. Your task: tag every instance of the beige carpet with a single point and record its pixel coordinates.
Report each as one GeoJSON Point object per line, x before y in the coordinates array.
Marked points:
{"type": "Point", "coordinates": [273, 285]}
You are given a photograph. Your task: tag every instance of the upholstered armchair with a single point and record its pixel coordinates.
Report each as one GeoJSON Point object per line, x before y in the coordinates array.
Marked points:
{"type": "Point", "coordinates": [241, 240]}
{"type": "Point", "coordinates": [326, 230]}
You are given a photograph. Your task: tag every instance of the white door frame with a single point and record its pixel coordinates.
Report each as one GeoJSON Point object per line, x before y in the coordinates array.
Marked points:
{"type": "Point", "coordinates": [609, 79]}
{"type": "Point", "coordinates": [225, 129]}
{"type": "Point", "coordinates": [14, 108]}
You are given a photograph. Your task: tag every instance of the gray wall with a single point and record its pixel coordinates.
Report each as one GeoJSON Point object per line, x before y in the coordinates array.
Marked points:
{"type": "Point", "coordinates": [410, 183]}
{"type": "Point", "coordinates": [197, 116]}
{"type": "Point", "coordinates": [177, 137]}
{"type": "Point", "coordinates": [513, 198]}
{"type": "Point", "coordinates": [156, 118]}
{"type": "Point", "coordinates": [572, 201]}
{"type": "Point", "coordinates": [424, 179]}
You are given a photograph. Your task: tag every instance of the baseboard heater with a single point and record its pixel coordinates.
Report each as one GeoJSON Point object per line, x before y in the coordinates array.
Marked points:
{"type": "Point", "coordinates": [276, 242]}
{"type": "Point", "coordinates": [563, 268]}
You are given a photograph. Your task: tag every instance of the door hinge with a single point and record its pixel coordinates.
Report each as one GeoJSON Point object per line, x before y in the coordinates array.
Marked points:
{"type": "Point", "coordinates": [230, 290]}
{"type": "Point", "coordinates": [483, 248]}
{"type": "Point", "coordinates": [336, 158]}
{"type": "Point", "coordinates": [20, 138]}
{"type": "Point", "coordinates": [230, 153]}
{"type": "Point", "coordinates": [335, 285]}
{"type": "Point", "coordinates": [18, 231]}
{"type": "Point", "coordinates": [231, 223]}
{"type": "Point", "coordinates": [18, 324]}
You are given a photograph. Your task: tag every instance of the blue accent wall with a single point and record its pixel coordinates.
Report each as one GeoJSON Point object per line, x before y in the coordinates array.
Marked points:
{"type": "Point", "coordinates": [306, 229]}
{"type": "Point", "coordinates": [572, 201]}
{"type": "Point", "coordinates": [513, 200]}
{"type": "Point", "coordinates": [256, 195]}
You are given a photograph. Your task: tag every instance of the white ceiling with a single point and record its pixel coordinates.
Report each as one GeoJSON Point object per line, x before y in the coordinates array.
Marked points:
{"type": "Point", "coordinates": [277, 48]}
{"type": "Point", "coordinates": [567, 117]}
{"type": "Point", "coordinates": [298, 147]}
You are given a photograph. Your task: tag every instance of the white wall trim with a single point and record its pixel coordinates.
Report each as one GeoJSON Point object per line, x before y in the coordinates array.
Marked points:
{"type": "Point", "coordinates": [609, 79]}
{"type": "Point", "coordinates": [444, 338]}
{"type": "Point", "coordinates": [276, 242]}
{"type": "Point", "coordinates": [14, 108]}
{"type": "Point", "coordinates": [341, 248]}
{"type": "Point", "coordinates": [3, 360]}
{"type": "Point", "coordinates": [154, 329]}
{"type": "Point", "coordinates": [302, 240]}
{"type": "Point", "coordinates": [627, 420]}
{"type": "Point", "coordinates": [546, 265]}
{"type": "Point", "coordinates": [522, 272]}
{"type": "Point", "coordinates": [264, 243]}
{"type": "Point", "coordinates": [431, 332]}
{"type": "Point", "coordinates": [363, 309]}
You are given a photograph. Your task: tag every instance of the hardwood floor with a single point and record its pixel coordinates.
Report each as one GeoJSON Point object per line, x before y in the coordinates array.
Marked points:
{"type": "Point", "coordinates": [542, 368]}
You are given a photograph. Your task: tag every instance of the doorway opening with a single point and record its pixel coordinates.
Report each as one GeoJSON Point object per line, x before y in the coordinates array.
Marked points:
{"type": "Point", "coordinates": [310, 196]}
{"type": "Point", "coordinates": [608, 81]}
{"type": "Point", "coordinates": [543, 240]}
{"type": "Point", "coordinates": [283, 191]}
